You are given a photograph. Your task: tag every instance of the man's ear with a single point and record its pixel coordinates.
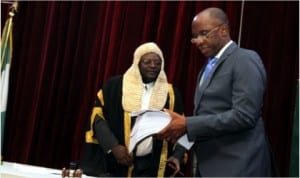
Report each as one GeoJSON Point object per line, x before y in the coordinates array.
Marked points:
{"type": "Point", "coordinates": [224, 30]}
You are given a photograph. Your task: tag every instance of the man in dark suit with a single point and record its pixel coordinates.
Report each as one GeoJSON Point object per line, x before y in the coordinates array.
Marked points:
{"type": "Point", "coordinates": [227, 125]}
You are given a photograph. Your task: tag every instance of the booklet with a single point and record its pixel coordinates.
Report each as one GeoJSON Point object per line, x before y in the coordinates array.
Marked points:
{"type": "Point", "coordinates": [150, 122]}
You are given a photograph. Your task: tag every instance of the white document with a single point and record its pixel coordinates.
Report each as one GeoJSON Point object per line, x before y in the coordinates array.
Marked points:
{"type": "Point", "coordinates": [150, 122]}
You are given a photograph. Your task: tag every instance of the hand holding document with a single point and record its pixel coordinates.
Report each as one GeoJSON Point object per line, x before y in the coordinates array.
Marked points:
{"type": "Point", "coordinates": [150, 122]}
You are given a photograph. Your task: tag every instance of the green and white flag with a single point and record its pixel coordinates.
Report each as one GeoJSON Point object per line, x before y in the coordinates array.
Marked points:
{"type": "Point", "coordinates": [6, 56]}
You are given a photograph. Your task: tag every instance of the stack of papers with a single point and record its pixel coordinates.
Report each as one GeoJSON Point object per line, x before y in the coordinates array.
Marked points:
{"type": "Point", "coordinates": [150, 122]}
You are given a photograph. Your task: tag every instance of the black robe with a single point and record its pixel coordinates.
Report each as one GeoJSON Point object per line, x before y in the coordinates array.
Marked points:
{"type": "Point", "coordinates": [108, 112]}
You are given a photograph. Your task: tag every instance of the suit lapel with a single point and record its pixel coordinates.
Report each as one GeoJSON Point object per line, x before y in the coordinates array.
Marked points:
{"type": "Point", "coordinates": [200, 89]}
{"type": "Point", "coordinates": [197, 89]}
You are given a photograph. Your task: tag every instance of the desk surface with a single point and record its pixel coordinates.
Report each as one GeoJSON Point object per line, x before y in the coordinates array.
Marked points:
{"type": "Point", "coordinates": [17, 170]}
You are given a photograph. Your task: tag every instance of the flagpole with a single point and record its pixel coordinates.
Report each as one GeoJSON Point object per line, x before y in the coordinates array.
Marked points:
{"type": "Point", "coordinates": [12, 10]}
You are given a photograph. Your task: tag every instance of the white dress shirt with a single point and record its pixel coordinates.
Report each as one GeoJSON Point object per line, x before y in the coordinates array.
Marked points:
{"type": "Point", "coordinates": [145, 146]}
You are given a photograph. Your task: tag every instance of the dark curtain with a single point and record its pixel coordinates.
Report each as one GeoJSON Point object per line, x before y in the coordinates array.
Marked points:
{"type": "Point", "coordinates": [64, 51]}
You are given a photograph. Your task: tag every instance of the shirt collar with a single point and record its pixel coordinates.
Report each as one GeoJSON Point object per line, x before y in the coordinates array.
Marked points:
{"type": "Point", "coordinates": [223, 49]}
{"type": "Point", "coordinates": [149, 85]}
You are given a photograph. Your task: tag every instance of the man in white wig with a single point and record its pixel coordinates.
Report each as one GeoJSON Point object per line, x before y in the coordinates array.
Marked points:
{"type": "Point", "coordinates": [143, 86]}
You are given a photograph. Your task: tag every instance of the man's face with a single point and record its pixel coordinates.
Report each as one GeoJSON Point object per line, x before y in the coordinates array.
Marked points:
{"type": "Point", "coordinates": [206, 35]}
{"type": "Point", "coordinates": [150, 66]}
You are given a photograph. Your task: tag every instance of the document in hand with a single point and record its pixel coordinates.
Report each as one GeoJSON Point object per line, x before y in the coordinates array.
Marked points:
{"type": "Point", "coordinates": [148, 123]}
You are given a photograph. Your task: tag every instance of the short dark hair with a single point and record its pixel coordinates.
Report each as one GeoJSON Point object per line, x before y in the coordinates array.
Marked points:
{"type": "Point", "coordinates": [218, 14]}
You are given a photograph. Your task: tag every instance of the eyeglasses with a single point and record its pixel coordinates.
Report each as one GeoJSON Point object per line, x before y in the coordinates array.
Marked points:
{"type": "Point", "coordinates": [205, 33]}
{"type": "Point", "coordinates": [148, 62]}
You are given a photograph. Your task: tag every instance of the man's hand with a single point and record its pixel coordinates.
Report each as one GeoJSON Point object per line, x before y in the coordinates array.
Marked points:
{"type": "Point", "coordinates": [175, 165]}
{"type": "Point", "coordinates": [122, 156]}
{"type": "Point", "coordinates": [175, 129]}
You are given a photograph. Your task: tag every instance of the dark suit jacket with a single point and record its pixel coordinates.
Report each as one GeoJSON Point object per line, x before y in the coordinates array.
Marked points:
{"type": "Point", "coordinates": [227, 126]}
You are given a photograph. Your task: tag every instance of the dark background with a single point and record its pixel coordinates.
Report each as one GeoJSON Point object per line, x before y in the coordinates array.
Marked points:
{"type": "Point", "coordinates": [65, 50]}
